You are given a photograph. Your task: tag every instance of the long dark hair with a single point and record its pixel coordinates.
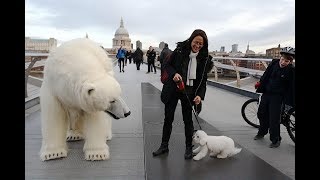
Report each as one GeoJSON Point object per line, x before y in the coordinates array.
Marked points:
{"type": "Point", "coordinates": [186, 45]}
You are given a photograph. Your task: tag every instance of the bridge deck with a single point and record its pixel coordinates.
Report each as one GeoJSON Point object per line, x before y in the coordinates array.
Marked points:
{"type": "Point", "coordinates": [130, 152]}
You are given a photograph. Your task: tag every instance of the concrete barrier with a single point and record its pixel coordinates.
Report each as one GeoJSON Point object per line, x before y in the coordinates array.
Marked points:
{"type": "Point", "coordinates": [31, 101]}
{"type": "Point", "coordinates": [35, 99]}
{"type": "Point", "coordinates": [35, 81]}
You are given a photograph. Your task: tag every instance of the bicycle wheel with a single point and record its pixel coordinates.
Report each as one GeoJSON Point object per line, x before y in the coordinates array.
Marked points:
{"type": "Point", "coordinates": [291, 125]}
{"type": "Point", "coordinates": [249, 111]}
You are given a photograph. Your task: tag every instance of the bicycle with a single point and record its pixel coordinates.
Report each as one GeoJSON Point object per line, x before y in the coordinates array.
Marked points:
{"type": "Point", "coordinates": [249, 111]}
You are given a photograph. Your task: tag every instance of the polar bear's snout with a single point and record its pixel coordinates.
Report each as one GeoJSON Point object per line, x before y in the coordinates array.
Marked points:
{"type": "Point", "coordinates": [127, 114]}
{"type": "Point", "coordinates": [118, 109]}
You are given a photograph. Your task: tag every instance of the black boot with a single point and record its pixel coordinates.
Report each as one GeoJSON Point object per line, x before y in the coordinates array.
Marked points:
{"type": "Point", "coordinates": [188, 153]}
{"type": "Point", "coordinates": [162, 150]}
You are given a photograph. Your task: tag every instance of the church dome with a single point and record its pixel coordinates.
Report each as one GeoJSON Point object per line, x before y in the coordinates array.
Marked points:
{"type": "Point", "coordinates": [121, 30]}
{"type": "Point", "coordinates": [121, 38]}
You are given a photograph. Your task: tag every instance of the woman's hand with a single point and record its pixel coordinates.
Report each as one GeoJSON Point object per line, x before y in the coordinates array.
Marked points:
{"type": "Point", "coordinates": [197, 100]}
{"type": "Point", "coordinates": [177, 77]}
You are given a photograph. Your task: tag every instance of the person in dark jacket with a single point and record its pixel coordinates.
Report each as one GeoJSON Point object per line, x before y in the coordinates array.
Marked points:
{"type": "Point", "coordinates": [129, 56]}
{"type": "Point", "coordinates": [164, 53]}
{"type": "Point", "coordinates": [138, 57]}
{"type": "Point", "coordinates": [121, 56]}
{"type": "Point", "coordinates": [277, 86]}
{"type": "Point", "coordinates": [190, 63]}
{"type": "Point", "coordinates": [151, 56]}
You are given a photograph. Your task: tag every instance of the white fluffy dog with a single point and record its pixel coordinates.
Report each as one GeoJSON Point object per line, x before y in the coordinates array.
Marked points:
{"type": "Point", "coordinates": [220, 146]}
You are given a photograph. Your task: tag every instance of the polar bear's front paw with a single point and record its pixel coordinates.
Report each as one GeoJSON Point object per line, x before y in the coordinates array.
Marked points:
{"type": "Point", "coordinates": [53, 154]}
{"type": "Point", "coordinates": [95, 155]}
{"type": "Point", "coordinates": [74, 135]}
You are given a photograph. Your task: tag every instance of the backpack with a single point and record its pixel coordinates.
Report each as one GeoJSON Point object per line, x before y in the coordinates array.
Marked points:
{"type": "Point", "coordinates": [165, 70]}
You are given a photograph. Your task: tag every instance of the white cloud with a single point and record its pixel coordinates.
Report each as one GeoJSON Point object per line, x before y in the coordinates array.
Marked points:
{"type": "Point", "coordinates": [264, 24]}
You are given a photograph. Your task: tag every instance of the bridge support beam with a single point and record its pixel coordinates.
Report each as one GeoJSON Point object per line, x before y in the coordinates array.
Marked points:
{"type": "Point", "coordinates": [264, 64]}
{"type": "Point", "coordinates": [237, 72]}
{"type": "Point", "coordinates": [215, 73]}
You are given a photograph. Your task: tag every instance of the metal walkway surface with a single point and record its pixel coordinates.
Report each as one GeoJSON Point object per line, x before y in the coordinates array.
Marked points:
{"type": "Point", "coordinates": [128, 158]}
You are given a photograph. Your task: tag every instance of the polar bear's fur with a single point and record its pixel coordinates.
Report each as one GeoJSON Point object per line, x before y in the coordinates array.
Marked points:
{"type": "Point", "coordinates": [117, 110]}
{"type": "Point", "coordinates": [78, 87]}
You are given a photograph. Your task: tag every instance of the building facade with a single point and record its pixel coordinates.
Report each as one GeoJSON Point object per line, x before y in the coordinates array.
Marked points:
{"type": "Point", "coordinates": [40, 45]}
{"type": "Point", "coordinates": [222, 49]}
{"type": "Point", "coordinates": [273, 53]}
{"type": "Point", "coordinates": [234, 48]}
{"type": "Point", "coordinates": [249, 52]}
{"type": "Point", "coordinates": [121, 38]}
{"type": "Point", "coordinates": [138, 44]}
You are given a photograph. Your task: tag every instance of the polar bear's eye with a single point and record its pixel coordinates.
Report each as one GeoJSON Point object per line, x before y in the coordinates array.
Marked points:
{"type": "Point", "coordinates": [89, 91]}
{"type": "Point", "coordinates": [112, 101]}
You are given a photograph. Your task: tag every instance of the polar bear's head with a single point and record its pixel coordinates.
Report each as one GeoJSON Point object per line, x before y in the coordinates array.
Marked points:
{"type": "Point", "coordinates": [99, 94]}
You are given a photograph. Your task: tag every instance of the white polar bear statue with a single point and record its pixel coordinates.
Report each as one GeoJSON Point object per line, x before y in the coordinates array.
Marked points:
{"type": "Point", "coordinates": [78, 97]}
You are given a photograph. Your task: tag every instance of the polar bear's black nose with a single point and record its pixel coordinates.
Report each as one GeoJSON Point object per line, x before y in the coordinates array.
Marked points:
{"type": "Point", "coordinates": [127, 114]}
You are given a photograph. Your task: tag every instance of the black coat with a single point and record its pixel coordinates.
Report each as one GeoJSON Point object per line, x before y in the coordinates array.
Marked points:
{"type": "Point", "coordinates": [151, 55]}
{"type": "Point", "coordinates": [138, 55]}
{"type": "Point", "coordinates": [178, 63]}
{"type": "Point", "coordinates": [283, 84]}
{"type": "Point", "coordinates": [166, 51]}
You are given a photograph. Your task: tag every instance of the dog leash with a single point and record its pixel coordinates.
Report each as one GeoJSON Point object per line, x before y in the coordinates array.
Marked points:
{"type": "Point", "coordinates": [194, 111]}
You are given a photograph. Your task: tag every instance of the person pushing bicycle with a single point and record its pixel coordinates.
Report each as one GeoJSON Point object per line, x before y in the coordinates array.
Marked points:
{"type": "Point", "coordinates": [277, 88]}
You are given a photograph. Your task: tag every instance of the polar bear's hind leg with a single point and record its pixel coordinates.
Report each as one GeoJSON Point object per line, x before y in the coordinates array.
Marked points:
{"type": "Point", "coordinates": [75, 132]}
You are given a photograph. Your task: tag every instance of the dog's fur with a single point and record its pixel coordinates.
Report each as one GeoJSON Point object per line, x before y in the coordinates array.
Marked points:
{"type": "Point", "coordinates": [219, 146]}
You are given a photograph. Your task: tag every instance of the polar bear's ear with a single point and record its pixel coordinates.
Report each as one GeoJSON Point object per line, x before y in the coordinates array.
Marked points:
{"type": "Point", "coordinates": [203, 141]}
{"type": "Point", "coordinates": [89, 88]}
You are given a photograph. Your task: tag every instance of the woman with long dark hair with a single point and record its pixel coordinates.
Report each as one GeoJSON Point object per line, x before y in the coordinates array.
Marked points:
{"type": "Point", "coordinates": [189, 63]}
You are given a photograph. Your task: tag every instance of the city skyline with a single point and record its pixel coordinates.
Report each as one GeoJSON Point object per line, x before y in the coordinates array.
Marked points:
{"type": "Point", "coordinates": [263, 24]}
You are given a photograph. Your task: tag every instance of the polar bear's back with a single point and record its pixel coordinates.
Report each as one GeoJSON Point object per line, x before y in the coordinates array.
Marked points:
{"type": "Point", "coordinates": [71, 65]}
{"type": "Point", "coordinates": [78, 57]}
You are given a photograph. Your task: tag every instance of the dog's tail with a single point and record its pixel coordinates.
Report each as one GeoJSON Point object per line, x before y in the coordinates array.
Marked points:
{"type": "Point", "coordinates": [235, 151]}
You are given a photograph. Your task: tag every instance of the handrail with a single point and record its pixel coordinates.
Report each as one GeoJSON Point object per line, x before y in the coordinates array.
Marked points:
{"type": "Point", "coordinates": [27, 54]}
{"type": "Point", "coordinates": [238, 58]}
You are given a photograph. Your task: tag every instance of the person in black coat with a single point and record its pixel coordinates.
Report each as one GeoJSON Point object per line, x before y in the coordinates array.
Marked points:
{"type": "Point", "coordinates": [138, 57]}
{"type": "Point", "coordinates": [190, 63]}
{"type": "Point", "coordinates": [151, 56]}
{"type": "Point", "coordinates": [164, 53]}
{"type": "Point", "coordinates": [277, 88]}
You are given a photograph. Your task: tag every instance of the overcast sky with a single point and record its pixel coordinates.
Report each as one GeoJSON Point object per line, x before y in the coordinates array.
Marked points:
{"type": "Point", "coordinates": [264, 24]}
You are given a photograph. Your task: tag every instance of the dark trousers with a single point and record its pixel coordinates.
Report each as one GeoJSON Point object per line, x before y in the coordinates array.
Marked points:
{"type": "Point", "coordinates": [138, 64]}
{"type": "Point", "coordinates": [121, 61]}
{"type": "Point", "coordinates": [269, 114]}
{"type": "Point", "coordinates": [151, 65]}
{"type": "Point", "coordinates": [170, 108]}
